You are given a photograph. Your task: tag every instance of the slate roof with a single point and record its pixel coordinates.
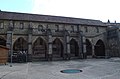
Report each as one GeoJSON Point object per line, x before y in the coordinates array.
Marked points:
{"type": "Point", "coordinates": [48, 18]}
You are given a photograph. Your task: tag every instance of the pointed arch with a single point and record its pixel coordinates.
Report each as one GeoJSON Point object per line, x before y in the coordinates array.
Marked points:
{"type": "Point", "coordinates": [57, 48]}
{"type": "Point", "coordinates": [88, 47]}
{"type": "Point", "coordinates": [20, 44]}
{"type": "Point", "coordinates": [99, 48]}
{"type": "Point", "coordinates": [39, 49]}
{"type": "Point", "coordinates": [2, 41]}
{"type": "Point", "coordinates": [74, 48]}
{"type": "Point", "coordinates": [20, 50]}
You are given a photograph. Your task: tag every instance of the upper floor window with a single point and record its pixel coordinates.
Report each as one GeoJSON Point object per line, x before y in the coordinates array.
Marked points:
{"type": "Point", "coordinates": [72, 28]}
{"type": "Point", "coordinates": [1, 25]}
{"type": "Point", "coordinates": [86, 29]}
{"type": "Point", "coordinates": [97, 29]}
{"type": "Point", "coordinates": [57, 27]}
{"type": "Point", "coordinates": [13, 24]}
{"type": "Point", "coordinates": [21, 25]}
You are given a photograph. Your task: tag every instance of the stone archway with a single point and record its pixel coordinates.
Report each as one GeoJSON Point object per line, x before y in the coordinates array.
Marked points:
{"type": "Point", "coordinates": [39, 49]}
{"type": "Point", "coordinates": [20, 50]}
{"type": "Point", "coordinates": [57, 48]}
{"type": "Point", "coordinates": [2, 42]}
{"type": "Point", "coordinates": [74, 48]}
{"type": "Point", "coordinates": [20, 45]}
{"type": "Point", "coordinates": [88, 48]}
{"type": "Point", "coordinates": [99, 48]}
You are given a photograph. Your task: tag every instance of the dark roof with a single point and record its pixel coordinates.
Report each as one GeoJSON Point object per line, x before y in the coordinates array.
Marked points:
{"type": "Point", "coordinates": [47, 18]}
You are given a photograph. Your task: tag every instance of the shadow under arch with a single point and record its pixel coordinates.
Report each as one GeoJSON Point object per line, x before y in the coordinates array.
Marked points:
{"type": "Point", "coordinates": [20, 50]}
{"type": "Point", "coordinates": [39, 49]}
{"type": "Point", "coordinates": [57, 50]}
{"type": "Point", "coordinates": [2, 41]}
{"type": "Point", "coordinates": [74, 48]}
{"type": "Point", "coordinates": [99, 48]}
{"type": "Point", "coordinates": [88, 48]}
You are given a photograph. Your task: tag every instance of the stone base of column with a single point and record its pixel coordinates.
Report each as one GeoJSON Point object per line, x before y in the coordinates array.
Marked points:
{"type": "Point", "coordinates": [49, 57]}
{"type": "Point", "coordinates": [93, 56]}
{"type": "Point", "coordinates": [84, 56]}
{"type": "Point", "coordinates": [81, 56]}
{"type": "Point", "coordinates": [67, 56]}
{"type": "Point", "coordinates": [29, 58]}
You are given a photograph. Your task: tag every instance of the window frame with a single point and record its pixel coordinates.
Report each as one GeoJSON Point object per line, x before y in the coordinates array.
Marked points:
{"type": "Point", "coordinates": [21, 25]}
{"type": "Point", "coordinates": [57, 27]}
{"type": "Point", "coordinates": [1, 25]}
{"type": "Point", "coordinates": [86, 29]}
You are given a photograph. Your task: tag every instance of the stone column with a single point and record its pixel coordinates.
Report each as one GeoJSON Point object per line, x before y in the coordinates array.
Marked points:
{"type": "Point", "coordinates": [68, 47]}
{"type": "Point", "coordinates": [29, 54]}
{"type": "Point", "coordinates": [49, 54]}
{"type": "Point", "coordinates": [65, 47]}
{"type": "Point", "coordinates": [9, 42]}
{"type": "Point", "coordinates": [84, 48]}
{"type": "Point", "coordinates": [80, 42]}
{"type": "Point", "coordinates": [50, 47]}
{"type": "Point", "coordinates": [93, 50]}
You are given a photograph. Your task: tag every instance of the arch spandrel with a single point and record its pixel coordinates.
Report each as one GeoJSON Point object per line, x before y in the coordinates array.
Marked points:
{"type": "Point", "coordinates": [17, 37]}
{"type": "Point", "coordinates": [36, 37]}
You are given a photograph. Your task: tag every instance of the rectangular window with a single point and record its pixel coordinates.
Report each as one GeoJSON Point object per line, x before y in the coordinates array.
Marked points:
{"type": "Point", "coordinates": [97, 29]}
{"type": "Point", "coordinates": [1, 25]}
{"type": "Point", "coordinates": [86, 29]}
{"type": "Point", "coordinates": [72, 28]}
{"type": "Point", "coordinates": [13, 24]}
{"type": "Point", "coordinates": [57, 27]}
{"type": "Point", "coordinates": [21, 25]}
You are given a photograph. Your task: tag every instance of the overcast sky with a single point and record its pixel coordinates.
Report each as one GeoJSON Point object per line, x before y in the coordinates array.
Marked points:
{"type": "Point", "coordinates": [89, 9]}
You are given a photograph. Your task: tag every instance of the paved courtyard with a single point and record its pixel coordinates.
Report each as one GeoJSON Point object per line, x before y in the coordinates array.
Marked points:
{"type": "Point", "coordinates": [92, 69]}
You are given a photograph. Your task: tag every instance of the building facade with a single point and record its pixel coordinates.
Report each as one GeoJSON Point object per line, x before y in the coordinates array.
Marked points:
{"type": "Point", "coordinates": [44, 37]}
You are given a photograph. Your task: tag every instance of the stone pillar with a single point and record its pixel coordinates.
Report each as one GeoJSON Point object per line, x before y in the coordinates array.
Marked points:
{"type": "Point", "coordinates": [93, 50]}
{"type": "Point", "coordinates": [68, 47]}
{"type": "Point", "coordinates": [49, 54]}
{"type": "Point", "coordinates": [29, 54]}
{"type": "Point", "coordinates": [9, 42]}
{"type": "Point", "coordinates": [80, 42]}
{"type": "Point", "coordinates": [84, 48]}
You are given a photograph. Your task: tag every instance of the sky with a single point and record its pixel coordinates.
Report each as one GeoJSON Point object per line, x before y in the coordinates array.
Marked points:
{"type": "Point", "coordinates": [88, 9]}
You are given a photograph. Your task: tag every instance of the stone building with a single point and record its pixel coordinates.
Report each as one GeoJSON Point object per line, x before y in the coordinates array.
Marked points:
{"type": "Point", "coordinates": [45, 37]}
{"type": "Point", "coordinates": [113, 39]}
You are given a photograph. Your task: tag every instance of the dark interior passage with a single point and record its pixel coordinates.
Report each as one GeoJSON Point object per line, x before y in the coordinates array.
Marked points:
{"type": "Point", "coordinates": [20, 50]}
{"type": "Point", "coordinates": [74, 48]}
{"type": "Point", "coordinates": [39, 49]}
{"type": "Point", "coordinates": [57, 48]}
{"type": "Point", "coordinates": [88, 48]}
{"type": "Point", "coordinates": [100, 48]}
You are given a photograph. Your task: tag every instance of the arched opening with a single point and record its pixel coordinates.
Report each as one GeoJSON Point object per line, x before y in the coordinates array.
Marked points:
{"type": "Point", "coordinates": [57, 48]}
{"type": "Point", "coordinates": [2, 42]}
{"type": "Point", "coordinates": [100, 48]}
{"type": "Point", "coordinates": [20, 50]}
{"type": "Point", "coordinates": [88, 48]}
{"type": "Point", "coordinates": [39, 49]}
{"type": "Point", "coordinates": [74, 48]}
